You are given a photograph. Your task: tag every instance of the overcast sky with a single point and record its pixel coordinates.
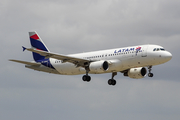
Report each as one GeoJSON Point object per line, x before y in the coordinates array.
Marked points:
{"type": "Point", "coordinates": [73, 26]}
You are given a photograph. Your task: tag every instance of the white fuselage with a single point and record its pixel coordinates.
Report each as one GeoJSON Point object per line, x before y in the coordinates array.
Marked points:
{"type": "Point", "coordinates": [131, 61]}
{"type": "Point", "coordinates": [128, 57]}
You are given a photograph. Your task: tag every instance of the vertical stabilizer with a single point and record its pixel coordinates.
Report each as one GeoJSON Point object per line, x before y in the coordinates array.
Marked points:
{"type": "Point", "coordinates": [37, 43]}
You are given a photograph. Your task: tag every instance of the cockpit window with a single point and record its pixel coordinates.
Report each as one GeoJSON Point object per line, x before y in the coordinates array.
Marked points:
{"type": "Point", "coordinates": [162, 49]}
{"type": "Point", "coordinates": [158, 49]}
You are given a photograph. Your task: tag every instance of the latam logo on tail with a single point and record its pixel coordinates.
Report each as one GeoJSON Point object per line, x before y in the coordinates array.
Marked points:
{"type": "Point", "coordinates": [35, 37]}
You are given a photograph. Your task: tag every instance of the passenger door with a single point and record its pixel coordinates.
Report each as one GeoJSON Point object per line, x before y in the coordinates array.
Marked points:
{"type": "Point", "coordinates": [144, 51]}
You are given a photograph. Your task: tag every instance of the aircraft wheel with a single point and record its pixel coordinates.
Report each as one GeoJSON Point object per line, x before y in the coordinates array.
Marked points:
{"type": "Point", "coordinates": [150, 74]}
{"type": "Point", "coordinates": [112, 82]}
{"type": "Point", "coordinates": [86, 78]}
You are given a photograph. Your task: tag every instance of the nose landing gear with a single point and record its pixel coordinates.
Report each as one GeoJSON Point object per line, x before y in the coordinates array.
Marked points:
{"type": "Point", "coordinates": [150, 74]}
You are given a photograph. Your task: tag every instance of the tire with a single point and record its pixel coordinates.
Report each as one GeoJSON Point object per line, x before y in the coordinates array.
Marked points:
{"type": "Point", "coordinates": [113, 82]}
{"type": "Point", "coordinates": [150, 75]}
{"type": "Point", "coordinates": [86, 78]}
{"type": "Point", "coordinates": [110, 82]}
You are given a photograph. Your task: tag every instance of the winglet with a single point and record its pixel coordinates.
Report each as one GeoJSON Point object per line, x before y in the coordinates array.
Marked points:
{"type": "Point", "coordinates": [23, 48]}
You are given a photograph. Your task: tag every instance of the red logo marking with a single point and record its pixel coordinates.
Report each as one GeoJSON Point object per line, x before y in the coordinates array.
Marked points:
{"type": "Point", "coordinates": [35, 37]}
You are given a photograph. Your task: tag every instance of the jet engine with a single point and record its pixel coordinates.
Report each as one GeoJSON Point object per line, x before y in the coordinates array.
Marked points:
{"type": "Point", "coordinates": [136, 73]}
{"type": "Point", "coordinates": [98, 66]}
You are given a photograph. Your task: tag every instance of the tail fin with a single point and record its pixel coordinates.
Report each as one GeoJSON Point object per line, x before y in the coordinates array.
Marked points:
{"type": "Point", "coordinates": [37, 43]}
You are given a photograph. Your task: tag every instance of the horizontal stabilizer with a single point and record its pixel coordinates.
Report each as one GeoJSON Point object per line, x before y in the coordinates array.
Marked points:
{"type": "Point", "coordinates": [23, 48]}
{"type": "Point", "coordinates": [24, 62]}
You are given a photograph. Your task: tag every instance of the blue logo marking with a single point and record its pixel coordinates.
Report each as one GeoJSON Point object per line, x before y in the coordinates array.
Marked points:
{"type": "Point", "coordinates": [124, 50]}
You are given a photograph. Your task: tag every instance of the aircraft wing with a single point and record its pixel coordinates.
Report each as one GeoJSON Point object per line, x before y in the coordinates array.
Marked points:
{"type": "Point", "coordinates": [26, 63]}
{"type": "Point", "coordinates": [77, 61]}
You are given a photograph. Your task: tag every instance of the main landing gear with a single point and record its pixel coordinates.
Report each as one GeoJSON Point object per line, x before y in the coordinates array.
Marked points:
{"type": "Point", "coordinates": [112, 81]}
{"type": "Point", "coordinates": [86, 77]}
{"type": "Point", "coordinates": [150, 74]}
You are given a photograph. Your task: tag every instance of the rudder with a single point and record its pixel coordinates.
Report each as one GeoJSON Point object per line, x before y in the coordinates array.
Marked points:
{"type": "Point", "coordinates": [37, 43]}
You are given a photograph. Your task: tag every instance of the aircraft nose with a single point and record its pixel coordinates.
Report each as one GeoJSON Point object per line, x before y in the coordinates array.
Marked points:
{"type": "Point", "coordinates": [168, 56]}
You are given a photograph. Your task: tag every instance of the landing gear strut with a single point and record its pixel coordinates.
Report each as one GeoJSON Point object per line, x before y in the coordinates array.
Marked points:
{"type": "Point", "coordinates": [86, 77]}
{"type": "Point", "coordinates": [112, 81]}
{"type": "Point", "coordinates": [150, 74]}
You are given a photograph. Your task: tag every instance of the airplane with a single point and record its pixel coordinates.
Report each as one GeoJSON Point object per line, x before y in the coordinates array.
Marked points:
{"type": "Point", "coordinates": [131, 61]}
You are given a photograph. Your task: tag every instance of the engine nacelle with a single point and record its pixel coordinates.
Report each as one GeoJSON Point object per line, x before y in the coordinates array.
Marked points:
{"type": "Point", "coordinates": [114, 65]}
{"type": "Point", "coordinates": [137, 73]}
{"type": "Point", "coordinates": [98, 66]}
